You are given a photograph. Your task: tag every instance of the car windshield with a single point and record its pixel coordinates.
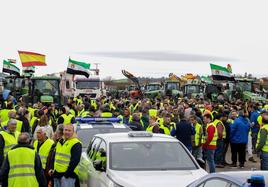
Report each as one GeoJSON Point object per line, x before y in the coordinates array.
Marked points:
{"type": "Point", "coordinates": [245, 86]}
{"type": "Point", "coordinates": [212, 89]}
{"type": "Point", "coordinates": [85, 135]}
{"type": "Point", "coordinates": [153, 87]}
{"type": "Point", "coordinates": [172, 86]}
{"type": "Point", "coordinates": [46, 87]}
{"type": "Point", "coordinates": [149, 156]}
{"type": "Point", "coordinates": [87, 84]}
{"type": "Point", "coordinates": [192, 89]}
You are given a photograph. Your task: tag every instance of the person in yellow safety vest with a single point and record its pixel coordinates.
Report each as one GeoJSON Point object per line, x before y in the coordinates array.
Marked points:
{"type": "Point", "coordinates": [136, 123]}
{"type": "Point", "coordinates": [22, 166]}
{"type": "Point", "coordinates": [134, 106]}
{"type": "Point", "coordinates": [196, 145]}
{"type": "Point", "coordinates": [167, 125]}
{"type": "Point", "coordinates": [262, 141]}
{"type": "Point", "coordinates": [12, 115]}
{"type": "Point", "coordinates": [152, 112]}
{"type": "Point", "coordinates": [80, 109]}
{"type": "Point", "coordinates": [93, 103]}
{"type": "Point", "coordinates": [101, 156]}
{"type": "Point", "coordinates": [153, 125]}
{"type": "Point", "coordinates": [8, 138]}
{"type": "Point", "coordinates": [4, 112]}
{"type": "Point", "coordinates": [67, 158]}
{"type": "Point", "coordinates": [66, 117]}
{"type": "Point", "coordinates": [32, 110]}
{"type": "Point", "coordinates": [42, 145]}
{"type": "Point", "coordinates": [85, 112]}
{"type": "Point", "coordinates": [219, 161]}
{"type": "Point", "coordinates": [209, 141]}
{"type": "Point", "coordinates": [105, 111]}
{"type": "Point", "coordinates": [78, 100]}
{"type": "Point", "coordinates": [126, 118]}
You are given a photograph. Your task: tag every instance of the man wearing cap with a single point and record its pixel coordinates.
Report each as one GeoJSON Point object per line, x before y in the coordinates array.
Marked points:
{"type": "Point", "coordinates": [262, 141]}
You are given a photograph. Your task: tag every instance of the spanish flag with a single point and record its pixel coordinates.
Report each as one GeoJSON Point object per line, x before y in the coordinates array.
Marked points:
{"type": "Point", "coordinates": [32, 59]}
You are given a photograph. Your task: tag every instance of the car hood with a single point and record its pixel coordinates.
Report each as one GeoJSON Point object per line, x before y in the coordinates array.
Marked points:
{"type": "Point", "coordinates": [156, 178]}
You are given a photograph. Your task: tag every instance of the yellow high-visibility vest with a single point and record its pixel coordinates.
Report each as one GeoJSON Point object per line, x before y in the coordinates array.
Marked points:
{"type": "Point", "coordinates": [10, 140]}
{"type": "Point", "coordinates": [265, 147]}
{"type": "Point", "coordinates": [63, 155]}
{"type": "Point", "coordinates": [22, 164]}
{"type": "Point", "coordinates": [44, 150]}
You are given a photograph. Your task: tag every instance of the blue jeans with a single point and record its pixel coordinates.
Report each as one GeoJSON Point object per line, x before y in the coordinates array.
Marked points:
{"type": "Point", "coordinates": [209, 157]}
{"type": "Point", "coordinates": [219, 153]}
{"type": "Point", "coordinates": [64, 182]}
{"type": "Point", "coordinates": [264, 160]}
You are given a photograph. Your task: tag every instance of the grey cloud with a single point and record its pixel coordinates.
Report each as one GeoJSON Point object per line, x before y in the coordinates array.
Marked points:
{"type": "Point", "coordinates": [160, 56]}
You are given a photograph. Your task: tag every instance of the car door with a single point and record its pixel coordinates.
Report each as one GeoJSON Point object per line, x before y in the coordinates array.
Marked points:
{"type": "Point", "coordinates": [102, 177]}
{"type": "Point", "coordinates": [93, 180]}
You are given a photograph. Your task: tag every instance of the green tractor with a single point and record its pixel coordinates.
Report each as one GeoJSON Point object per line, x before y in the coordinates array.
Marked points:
{"type": "Point", "coordinates": [45, 89]}
{"type": "Point", "coordinates": [193, 90]}
{"type": "Point", "coordinates": [172, 88]}
{"type": "Point", "coordinates": [245, 90]}
{"type": "Point", "coordinates": [19, 86]}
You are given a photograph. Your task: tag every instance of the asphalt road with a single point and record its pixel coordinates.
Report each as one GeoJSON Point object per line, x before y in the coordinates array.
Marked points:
{"type": "Point", "coordinates": [248, 165]}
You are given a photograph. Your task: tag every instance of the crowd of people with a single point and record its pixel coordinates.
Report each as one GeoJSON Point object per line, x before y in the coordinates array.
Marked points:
{"type": "Point", "coordinates": [38, 141]}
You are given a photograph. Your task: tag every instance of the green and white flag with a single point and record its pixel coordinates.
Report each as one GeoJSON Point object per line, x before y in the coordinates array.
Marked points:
{"type": "Point", "coordinates": [78, 68]}
{"type": "Point", "coordinates": [220, 72]}
{"type": "Point", "coordinates": [10, 68]}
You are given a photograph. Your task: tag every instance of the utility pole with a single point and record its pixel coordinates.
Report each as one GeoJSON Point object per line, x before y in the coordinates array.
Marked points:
{"type": "Point", "coordinates": [96, 68]}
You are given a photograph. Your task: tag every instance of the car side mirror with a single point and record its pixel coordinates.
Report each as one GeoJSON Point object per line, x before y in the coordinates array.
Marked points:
{"type": "Point", "coordinates": [98, 165]}
{"type": "Point", "coordinates": [201, 163]}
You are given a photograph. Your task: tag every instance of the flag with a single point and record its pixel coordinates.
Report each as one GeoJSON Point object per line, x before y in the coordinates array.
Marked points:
{"type": "Point", "coordinates": [220, 72]}
{"type": "Point", "coordinates": [10, 68]}
{"type": "Point", "coordinates": [229, 67]}
{"type": "Point", "coordinates": [14, 61]}
{"type": "Point", "coordinates": [28, 69]}
{"type": "Point", "coordinates": [78, 68]}
{"type": "Point", "coordinates": [32, 59]}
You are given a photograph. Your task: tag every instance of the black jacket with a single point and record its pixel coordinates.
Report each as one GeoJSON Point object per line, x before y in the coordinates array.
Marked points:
{"type": "Point", "coordinates": [25, 124]}
{"type": "Point", "coordinates": [37, 167]}
{"type": "Point", "coordinates": [184, 132]}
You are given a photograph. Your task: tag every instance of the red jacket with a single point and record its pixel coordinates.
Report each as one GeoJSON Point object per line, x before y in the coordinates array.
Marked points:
{"type": "Point", "coordinates": [210, 134]}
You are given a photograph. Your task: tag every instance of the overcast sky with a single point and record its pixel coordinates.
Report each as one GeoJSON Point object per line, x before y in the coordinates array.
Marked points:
{"type": "Point", "coordinates": [145, 37]}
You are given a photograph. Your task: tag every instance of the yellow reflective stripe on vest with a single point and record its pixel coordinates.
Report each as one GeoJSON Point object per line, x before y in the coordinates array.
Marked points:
{"type": "Point", "coordinates": [44, 150]}
{"type": "Point", "coordinates": [22, 171]}
{"type": "Point", "coordinates": [67, 118]}
{"type": "Point", "coordinates": [10, 140]}
{"type": "Point", "coordinates": [150, 128]}
{"type": "Point", "coordinates": [198, 128]}
{"type": "Point", "coordinates": [215, 136]}
{"type": "Point", "coordinates": [63, 155]}
{"type": "Point", "coordinates": [165, 129]}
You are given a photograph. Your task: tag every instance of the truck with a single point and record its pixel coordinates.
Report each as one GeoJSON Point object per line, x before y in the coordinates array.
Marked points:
{"type": "Point", "coordinates": [92, 87]}
{"type": "Point", "coordinates": [75, 85]}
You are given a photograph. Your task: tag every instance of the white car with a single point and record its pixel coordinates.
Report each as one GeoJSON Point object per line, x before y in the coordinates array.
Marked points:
{"type": "Point", "coordinates": [138, 159]}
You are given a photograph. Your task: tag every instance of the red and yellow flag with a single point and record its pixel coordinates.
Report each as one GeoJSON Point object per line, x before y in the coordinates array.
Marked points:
{"type": "Point", "coordinates": [32, 59]}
